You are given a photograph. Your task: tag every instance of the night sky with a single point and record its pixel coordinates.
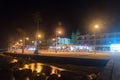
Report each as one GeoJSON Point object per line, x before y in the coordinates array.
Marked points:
{"type": "Point", "coordinates": [74, 14]}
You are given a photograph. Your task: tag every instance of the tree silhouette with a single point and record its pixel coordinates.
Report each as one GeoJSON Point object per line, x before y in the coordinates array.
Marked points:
{"type": "Point", "coordinates": [74, 37]}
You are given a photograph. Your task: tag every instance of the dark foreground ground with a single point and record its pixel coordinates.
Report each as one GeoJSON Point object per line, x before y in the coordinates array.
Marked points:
{"type": "Point", "coordinates": [79, 66]}
{"type": "Point", "coordinates": [64, 60]}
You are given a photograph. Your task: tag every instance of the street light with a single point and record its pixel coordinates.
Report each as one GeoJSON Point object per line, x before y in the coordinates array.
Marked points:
{"type": "Point", "coordinates": [27, 38]}
{"type": "Point", "coordinates": [39, 36]}
{"type": "Point", "coordinates": [33, 41]}
{"type": "Point", "coordinates": [57, 33]}
{"type": "Point", "coordinates": [53, 39]}
{"type": "Point", "coordinates": [17, 43]}
{"type": "Point", "coordinates": [20, 40]}
{"type": "Point", "coordinates": [96, 27]}
{"type": "Point", "coordinates": [25, 42]}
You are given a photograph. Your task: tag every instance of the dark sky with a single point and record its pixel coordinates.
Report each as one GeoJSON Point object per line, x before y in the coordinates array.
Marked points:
{"type": "Point", "coordinates": [74, 14]}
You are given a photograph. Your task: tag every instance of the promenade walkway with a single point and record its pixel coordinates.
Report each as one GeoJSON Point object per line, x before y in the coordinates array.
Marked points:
{"type": "Point", "coordinates": [91, 55]}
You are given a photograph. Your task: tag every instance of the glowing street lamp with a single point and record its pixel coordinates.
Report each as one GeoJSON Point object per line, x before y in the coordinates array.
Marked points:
{"type": "Point", "coordinates": [33, 41]}
{"type": "Point", "coordinates": [57, 34]}
{"type": "Point", "coordinates": [25, 42]}
{"type": "Point", "coordinates": [27, 38]}
{"type": "Point", "coordinates": [20, 40]}
{"type": "Point", "coordinates": [96, 27]}
{"type": "Point", "coordinates": [39, 36]}
{"type": "Point", "coordinates": [17, 43]}
{"type": "Point", "coordinates": [53, 39]}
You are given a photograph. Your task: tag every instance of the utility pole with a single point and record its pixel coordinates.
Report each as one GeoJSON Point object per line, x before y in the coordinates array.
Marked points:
{"type": "Point", "coordinates": [58, 32]}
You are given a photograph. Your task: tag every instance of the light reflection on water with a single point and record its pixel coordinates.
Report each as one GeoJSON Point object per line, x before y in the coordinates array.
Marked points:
{"type": "Point", "coordinates": [39, 68]}
{"type": "Point", "coordinates": [14, 60]}
{"type": "Point", "coordinates": [39, 71]}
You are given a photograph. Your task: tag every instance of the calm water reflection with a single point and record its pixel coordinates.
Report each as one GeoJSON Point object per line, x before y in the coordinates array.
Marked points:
{"type": "Point", "coordinates": [39, 71]}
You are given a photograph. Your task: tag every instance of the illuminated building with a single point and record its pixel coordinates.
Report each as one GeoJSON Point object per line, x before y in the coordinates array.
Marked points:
{"type": "Point", "coordinates": [62, 41]}
{"type": "Point", "coordinates": [104, 41]}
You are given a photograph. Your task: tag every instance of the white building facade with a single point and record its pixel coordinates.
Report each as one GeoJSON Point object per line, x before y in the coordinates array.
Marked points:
{"type": "Point", "coordinates": [63, 41]}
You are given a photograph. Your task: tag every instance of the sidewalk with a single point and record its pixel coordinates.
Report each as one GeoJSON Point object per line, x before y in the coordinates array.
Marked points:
{"type": "Point", "coordinates": [116, 68]}
{"type": "Point", "coordinates": [91, 55]}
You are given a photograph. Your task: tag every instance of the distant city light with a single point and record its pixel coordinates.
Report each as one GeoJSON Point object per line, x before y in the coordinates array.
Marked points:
{"type": "Point", "coordinates": [115, 47]}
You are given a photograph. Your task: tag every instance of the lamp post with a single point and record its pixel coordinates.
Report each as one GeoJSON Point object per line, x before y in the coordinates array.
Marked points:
{"type": "Point", "coordinates": [26, 43]}
{"type": "Point", "coordinates": [23, 43]}
{"type": "Point", "coordinates": [37, 43]}
{"type": "Point", "coordinates": [27, 38]}
{"type": "Point", "coordinates": [57, 33]}
{"type": "Point", "coordinates": [20, 40]}
{"type": "Point", "coordinates": [95, 27]}
{"type": "Point", "coordinates": [33, 41]}
{"type": "Point", "coordinates": [53, 39]}
{"type": "Point", "coordinates": [39, 36]}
